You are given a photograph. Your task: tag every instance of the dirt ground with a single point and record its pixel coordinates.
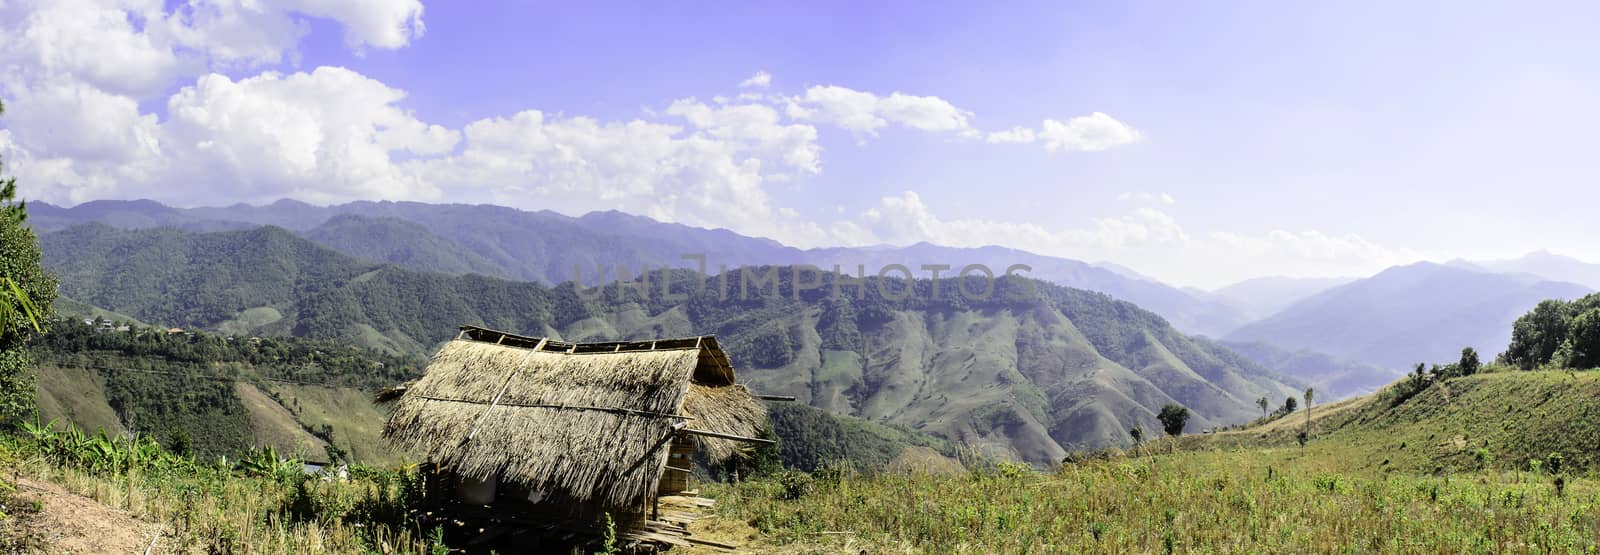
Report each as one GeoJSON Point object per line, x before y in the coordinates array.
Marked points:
{"type": "Point", "coordinates": [68, 523]}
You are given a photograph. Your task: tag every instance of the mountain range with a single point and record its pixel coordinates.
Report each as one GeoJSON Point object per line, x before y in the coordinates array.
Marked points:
{"type": "Point", "coordinates": [1378, 324]}
{"type": "Point", "coordinates": [550, 248]}
{"type": "Point", "coordinates": [1422, 312]}
{"type": "Point", "coordinates": [1032, 371]}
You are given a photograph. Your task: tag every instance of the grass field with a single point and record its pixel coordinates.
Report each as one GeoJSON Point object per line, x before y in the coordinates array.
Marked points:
{"type": "Point", "coordinates": [1258, 501]}
{"type": "Point", "coordinates": [1465, 466]}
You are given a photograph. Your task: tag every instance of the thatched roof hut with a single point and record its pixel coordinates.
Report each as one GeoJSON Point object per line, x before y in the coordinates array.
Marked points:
{"type": "Point", "coordinates": [586, 426]}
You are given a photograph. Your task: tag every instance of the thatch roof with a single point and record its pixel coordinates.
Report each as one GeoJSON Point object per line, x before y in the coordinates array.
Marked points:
{"type": "Point", "coordinates": [588, 422]}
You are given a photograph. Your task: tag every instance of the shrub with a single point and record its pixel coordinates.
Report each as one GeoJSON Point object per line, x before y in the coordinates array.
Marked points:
{"type": "Point", "coordinates": [1013, 470]}
{"type": "Point", "coordinates": [1554, 463]}
{"type": "Point", "coordinates": [1174, 416]}
{"type": "Point", "coordinates": [796, 484]}
{"type": "Point", "coordinates": [1482, 457]}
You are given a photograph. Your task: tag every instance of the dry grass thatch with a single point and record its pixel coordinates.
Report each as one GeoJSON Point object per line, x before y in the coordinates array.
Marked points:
{"type": "Point", "coordinates": [590, 428]}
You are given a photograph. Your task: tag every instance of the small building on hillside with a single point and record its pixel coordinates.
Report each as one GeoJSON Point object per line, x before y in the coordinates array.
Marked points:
{"type": "Point", "coordinates": [572, 432]}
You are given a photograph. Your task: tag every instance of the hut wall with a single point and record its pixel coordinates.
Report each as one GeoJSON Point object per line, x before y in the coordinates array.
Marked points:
{"type": "Point", "coordinates": [681, 455]}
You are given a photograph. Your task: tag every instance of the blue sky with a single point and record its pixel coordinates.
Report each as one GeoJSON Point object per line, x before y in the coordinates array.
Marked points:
{"type": "Point", "coordinates": [1200, 143]}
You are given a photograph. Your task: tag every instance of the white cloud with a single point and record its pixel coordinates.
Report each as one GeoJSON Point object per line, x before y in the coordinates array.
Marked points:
{"type": "Point", "coordinates": [1092, 133]}
{"type": "Point", "coordinates": [321, 136]}
{"type": "Point", "coordinates": [1144, 237]}
{"type": "Point", "coordinates": [760, 80]}
{"type": "Point", "coordinates": [1161, 198]}
{"type": "Point", "coordinates": [865, 112]}
{"type": "Point", "coordinates": [1016, 134]}
{"type": "Point", "coordinates": [758, 126]}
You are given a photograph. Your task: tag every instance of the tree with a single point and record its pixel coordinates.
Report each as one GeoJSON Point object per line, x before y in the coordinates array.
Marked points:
{"type": "Point", "coordinates": [1309, 394]}
{"type": "Point", "coordinates": [1289, 405]}
{"type": "Point", "coordinates": [1582, 346]}
{"type": "Point", "coordinates": [1469, 364]}
{"type": "Point", "coordinates": [26, 296]}
{"type": "Point", "coordinates": [1537, 335]}
{"type": "Point", "coordinates": [1263, 403]}
{"type": "Point", "coordinates": [1173, 417]}
{"type": "Point", "coordinates": [1138, 435]}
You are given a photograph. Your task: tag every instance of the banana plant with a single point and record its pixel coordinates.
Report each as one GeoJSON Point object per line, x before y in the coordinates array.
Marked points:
{"type": "Point", "coordinates": [14, 302]}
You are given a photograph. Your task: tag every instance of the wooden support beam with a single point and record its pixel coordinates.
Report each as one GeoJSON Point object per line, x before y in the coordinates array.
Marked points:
{"type": "Point", "coordinates": [775, 397]}
{"type": "Point", "coordinates": [729, 436]}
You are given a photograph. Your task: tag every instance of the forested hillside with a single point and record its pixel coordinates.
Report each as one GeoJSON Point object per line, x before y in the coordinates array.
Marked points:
{"type": "Point", "coordinates": [550, 248]}
{"type": "Point", "coordinates": [1030, 371]}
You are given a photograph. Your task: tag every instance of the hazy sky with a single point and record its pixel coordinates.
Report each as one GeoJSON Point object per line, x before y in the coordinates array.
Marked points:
{"type": "Point", "coordinates": [1197, 142]}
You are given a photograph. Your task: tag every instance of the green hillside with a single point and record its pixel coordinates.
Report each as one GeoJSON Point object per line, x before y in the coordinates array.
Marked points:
{"type": "Point", "coordinates": [1030, 372]}
{"type": "Point", "coordinates": [1512, 416]}
{"type": "Point", "coordinates": [402, 243]}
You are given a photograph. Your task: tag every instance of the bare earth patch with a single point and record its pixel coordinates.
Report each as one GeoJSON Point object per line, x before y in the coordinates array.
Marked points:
{"type": "Point", "coordinates": [71, 523]}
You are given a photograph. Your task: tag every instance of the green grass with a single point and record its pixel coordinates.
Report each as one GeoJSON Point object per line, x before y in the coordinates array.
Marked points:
{"type": "Point", "coordinates": [1516, 416]}
{"type": "Point", "coordinates": [1267, 501]}
{"type": "Point", "coordinates": [75, 395]}
{"type": "Point", "coordinates": [356, 422]}
{"type": "Point", "coordinates": [260, 505]}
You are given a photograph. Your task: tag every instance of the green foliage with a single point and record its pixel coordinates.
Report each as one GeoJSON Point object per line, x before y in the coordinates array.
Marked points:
{"type": "Point", "coordinates": [1173, 417]}
{"type": "Point", "coordinates": [27, 295]}
{"type": "Point", "coordinates": [811, 437]}
{"type": "Point", "coordinates": [1582, 347]}
{"type": "Point", "coordinates": [1482, 457]}
{"type": "Point", "coordinates": [180, 386]}
{"type": "Point", "coordinates": [1468, 365]}
{"type": "Point", "coordinates": [1537, 335]}
{"type": "Point", "coordinates": [795, 484]}
{"type": "Point", "coordinates": [1137, 433]}
{"type": "Point", "coordinates": [1557, 333]}
{"type": "Point", "coordinates": [608, 545]}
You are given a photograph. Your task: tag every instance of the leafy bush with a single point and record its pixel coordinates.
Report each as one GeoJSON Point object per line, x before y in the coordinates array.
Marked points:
{"type": "Point", "coordinates": [1174, 416]}
{"type": "Point", "coordinates": [796, 484]}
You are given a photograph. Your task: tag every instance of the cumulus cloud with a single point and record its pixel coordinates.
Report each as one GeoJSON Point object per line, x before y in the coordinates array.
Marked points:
{"type": "Point", "coordinates": [323, 136]}
{"type": "Point", "coordinates": [1018, 134]}
{"type": "Point", "coordinates": [865, 112]}
{"type": "Point", "coordinates": [760, 80]}
{"type": "Point", "coordinates": [1092, 133]}
{"type": "Point", "coordinates": [757, 126]}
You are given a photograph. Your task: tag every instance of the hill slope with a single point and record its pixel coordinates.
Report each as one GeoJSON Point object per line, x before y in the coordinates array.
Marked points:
{"type": "Point", "coordinates": [1028, 372]}
{"type": "Point", "coordinates": [1423, 312]}
{"type": "Point", "coordinates": [1514, 416]}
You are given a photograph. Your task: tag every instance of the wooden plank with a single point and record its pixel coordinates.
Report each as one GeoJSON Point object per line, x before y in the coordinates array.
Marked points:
{"type": "Point", "coordinates": [710, 543]}
{"type": "Point", "coordinates": [730, 436]}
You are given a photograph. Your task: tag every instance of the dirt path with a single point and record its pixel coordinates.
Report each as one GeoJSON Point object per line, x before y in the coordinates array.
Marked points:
{"type": "Point", "coordinates": [69, 523]}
